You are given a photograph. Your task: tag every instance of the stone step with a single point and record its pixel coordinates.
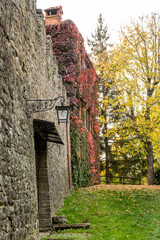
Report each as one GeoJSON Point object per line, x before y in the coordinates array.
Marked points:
{"type": "Point", "coordinates": [57, 227]}
{"type": "Point", "coordinates": [59, 220]}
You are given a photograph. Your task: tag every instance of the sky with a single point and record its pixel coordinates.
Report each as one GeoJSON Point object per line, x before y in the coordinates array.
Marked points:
{"type": "Point", "coordinates": [116, 13]}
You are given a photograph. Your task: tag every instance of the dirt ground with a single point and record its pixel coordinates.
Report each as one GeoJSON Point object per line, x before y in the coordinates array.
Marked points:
{"type": "Point", "coordinates": [125, 187]}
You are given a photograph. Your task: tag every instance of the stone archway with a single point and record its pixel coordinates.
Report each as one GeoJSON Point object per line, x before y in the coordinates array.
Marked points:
{"type": "Point", "coordinates": [44, 132]}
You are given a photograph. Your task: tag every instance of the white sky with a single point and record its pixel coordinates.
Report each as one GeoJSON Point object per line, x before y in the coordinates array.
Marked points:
{"type": "Point", "coordinates": [84, 13]}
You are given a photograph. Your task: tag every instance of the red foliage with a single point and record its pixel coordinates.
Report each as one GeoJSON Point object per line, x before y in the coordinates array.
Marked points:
{"type": "Point", "coordinates": [92, 148]}
{"type": "Point", "coordinates": [93, 159]}
{"type": "Point", "coordinates": [78, 75]}
{"type": "Point", "coordinates": [79, 123]}
{"type": "Point", "coordinates": [74, 64]}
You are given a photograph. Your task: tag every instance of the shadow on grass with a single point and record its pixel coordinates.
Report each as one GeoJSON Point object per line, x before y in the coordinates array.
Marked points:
{"type": "Point", "coordinates": [65, 236]}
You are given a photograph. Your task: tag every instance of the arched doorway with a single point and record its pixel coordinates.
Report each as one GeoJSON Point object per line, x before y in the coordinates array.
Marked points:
{"type": "Point", "coordinates": [44, 131]}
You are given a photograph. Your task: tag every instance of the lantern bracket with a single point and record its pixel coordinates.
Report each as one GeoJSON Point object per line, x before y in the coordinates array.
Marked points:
{"type": "Point", "coordinates": [41, 105]}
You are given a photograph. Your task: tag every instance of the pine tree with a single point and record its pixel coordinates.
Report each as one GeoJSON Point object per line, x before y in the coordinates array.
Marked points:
{"type": "Point", "coordinates": [101, 57]}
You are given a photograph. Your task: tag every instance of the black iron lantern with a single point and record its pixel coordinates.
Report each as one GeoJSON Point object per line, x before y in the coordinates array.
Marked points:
{"type": "Point", "coordinates": [62, 113]}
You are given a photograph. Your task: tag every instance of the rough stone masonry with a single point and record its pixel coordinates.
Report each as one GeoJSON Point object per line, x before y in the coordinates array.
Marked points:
{"type": "Point", "coordinates": [33, 171]}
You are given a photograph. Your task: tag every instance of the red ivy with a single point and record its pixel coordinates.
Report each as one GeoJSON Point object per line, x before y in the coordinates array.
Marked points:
{"type": "Point", "coordinates": [78, 75]}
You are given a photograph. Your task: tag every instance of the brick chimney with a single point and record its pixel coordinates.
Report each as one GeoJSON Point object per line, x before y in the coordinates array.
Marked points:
{"type": "Point", "coordinates": [53, 15]}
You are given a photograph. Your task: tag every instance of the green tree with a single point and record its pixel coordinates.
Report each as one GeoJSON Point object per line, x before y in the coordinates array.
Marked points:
{"type": "Point", "coordinates": [99, 40]}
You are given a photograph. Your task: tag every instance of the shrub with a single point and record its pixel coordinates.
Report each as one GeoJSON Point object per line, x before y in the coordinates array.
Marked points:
{"type": "Point", "coordinates": [157, 176]}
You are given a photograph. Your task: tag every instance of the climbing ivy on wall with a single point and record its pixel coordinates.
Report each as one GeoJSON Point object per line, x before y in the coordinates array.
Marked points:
{"type": "Point", "coordinates": [79, 153]}
{"type": "Point", "coordinates": [80, 79]}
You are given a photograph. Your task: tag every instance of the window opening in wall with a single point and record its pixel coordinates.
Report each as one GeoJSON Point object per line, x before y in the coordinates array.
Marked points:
{"type": "Point", "coordinates": [51, 12]}
{"type": "Point", "coordinates": [91, 127]}
{"type": "Point", "coordinates": [54, 12]}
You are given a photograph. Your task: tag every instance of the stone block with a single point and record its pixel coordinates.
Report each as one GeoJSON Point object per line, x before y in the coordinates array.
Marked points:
{"type": "Point", "coordinates": [44, 215]}
{"type": "Point", "coordinates": [72, 225]}
{"type": "Point", "coordinates": [44, 196]}
{"type": "Point", "coordinates": [58, 219]}
{"type": "Point", "coordinates": [4, 236]}
{"type": "Point", "coordinates": [45, 223]}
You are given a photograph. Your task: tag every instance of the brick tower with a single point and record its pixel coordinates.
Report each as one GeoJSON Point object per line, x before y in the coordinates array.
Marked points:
{"type": "Point", "coordinates": [53, 15]}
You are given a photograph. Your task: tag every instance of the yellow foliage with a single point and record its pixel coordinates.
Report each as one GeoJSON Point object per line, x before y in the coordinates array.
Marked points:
{"type": "Point", "coordinates": [132, 68]}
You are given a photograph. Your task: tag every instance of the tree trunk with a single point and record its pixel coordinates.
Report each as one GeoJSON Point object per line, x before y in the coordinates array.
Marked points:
{"type": "Point", "coordinates": [150, 169]}
{"type": "Point", "coordinates": [107, 161]}
{"type": "Point", "coordinates": [105, 138]}
{"type": "Point", "coordinates": [149, 146]}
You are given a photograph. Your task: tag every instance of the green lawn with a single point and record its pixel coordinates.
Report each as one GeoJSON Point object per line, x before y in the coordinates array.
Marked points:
{"type": "Point", "coordinates": [115, 213]}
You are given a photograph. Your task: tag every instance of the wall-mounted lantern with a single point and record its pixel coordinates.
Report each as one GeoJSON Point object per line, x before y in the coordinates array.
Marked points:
{"type": "Point", "coordinates": [62, 113]}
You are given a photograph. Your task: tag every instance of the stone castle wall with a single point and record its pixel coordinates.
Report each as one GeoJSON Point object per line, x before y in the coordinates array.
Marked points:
{"type": "Point", "coordinates": [28, 71]}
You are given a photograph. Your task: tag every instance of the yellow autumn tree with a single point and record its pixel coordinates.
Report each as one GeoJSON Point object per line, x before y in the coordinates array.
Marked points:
{"type": "Point", "coordinates": [137, 81]}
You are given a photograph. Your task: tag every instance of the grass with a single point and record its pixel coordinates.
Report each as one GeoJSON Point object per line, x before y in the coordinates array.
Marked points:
{"type": "Point", "coordinates": [115, 213]}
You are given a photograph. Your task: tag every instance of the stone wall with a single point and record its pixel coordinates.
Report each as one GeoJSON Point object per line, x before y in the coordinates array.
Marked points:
{"type": "Point", "coordinates": [28, 71]}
